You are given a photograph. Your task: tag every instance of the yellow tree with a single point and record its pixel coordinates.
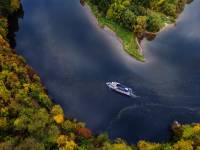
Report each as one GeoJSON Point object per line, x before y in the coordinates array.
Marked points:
{"type": "Point", "coordinates": [143, 145]}
{"type": "Point", "coordinates": [183, 145]}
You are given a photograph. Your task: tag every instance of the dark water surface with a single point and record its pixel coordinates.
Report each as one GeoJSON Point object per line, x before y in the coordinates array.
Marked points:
{"type": "Point", "coordinates": [75, 59]}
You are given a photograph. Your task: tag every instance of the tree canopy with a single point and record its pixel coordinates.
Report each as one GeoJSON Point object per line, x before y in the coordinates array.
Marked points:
{"type": "Point", "coordinates": [140, 15]}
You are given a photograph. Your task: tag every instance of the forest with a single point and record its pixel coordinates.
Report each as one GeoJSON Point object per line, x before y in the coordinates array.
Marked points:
{"type": "Point", "coordinates": [30, 120]}
{"type": "Point", "coordinates": [141, 15]}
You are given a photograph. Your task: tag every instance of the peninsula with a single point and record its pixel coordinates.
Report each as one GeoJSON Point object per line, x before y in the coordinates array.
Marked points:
{"type": "Point", "coordinates": [132, 20]}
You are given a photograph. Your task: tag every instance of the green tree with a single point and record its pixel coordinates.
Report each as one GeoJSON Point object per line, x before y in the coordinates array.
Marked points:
{"type": "Point", "coordinates": [154, 23]}
{"type": "Point", "coordinates": [3, 123]}
{"type": "Point", "coordinates": [140, 26]}
{"type": "Point", "coordinates": [169, 9]}
{"type": "Point", "coordinates": [30, 144]}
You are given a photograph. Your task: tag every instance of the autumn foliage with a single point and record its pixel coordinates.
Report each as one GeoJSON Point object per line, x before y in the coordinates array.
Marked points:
{"type": "Point", "coordinates": [29, 120]}
{"type": "Point", "coordinates": [84, 132]}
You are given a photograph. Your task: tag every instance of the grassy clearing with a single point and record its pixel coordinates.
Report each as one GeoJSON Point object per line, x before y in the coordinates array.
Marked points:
{"type": "Point", "coordinates": [127, 37]}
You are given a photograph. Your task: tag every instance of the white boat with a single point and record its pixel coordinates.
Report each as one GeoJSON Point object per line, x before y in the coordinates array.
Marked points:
{"type": "Point", "coordinates": [120, 88]}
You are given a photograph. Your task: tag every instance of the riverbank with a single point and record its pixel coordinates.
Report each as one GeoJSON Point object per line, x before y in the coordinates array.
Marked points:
{"type": "Point", "coordinates": [30, 120]}
{"type": "Point", "coordinates": [125, 37]}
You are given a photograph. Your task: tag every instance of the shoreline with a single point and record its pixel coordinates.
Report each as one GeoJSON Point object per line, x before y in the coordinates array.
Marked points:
{"type": "Point", "coordinates": [165, 27]}
{"type": "Point", "coordinates": [110, 31]}
{"type": "Point", "coordinates": [61, 131]}
{"type": "Point", "coordinates": [99, 26]}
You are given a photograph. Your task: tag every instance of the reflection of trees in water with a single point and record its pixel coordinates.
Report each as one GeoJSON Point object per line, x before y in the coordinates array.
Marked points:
{"type": "Point", "coordinates": [13, 25]}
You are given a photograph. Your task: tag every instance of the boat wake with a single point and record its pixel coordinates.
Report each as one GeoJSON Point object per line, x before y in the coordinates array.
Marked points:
{"type": "Point", "coordinates": [119, 115]}
{"type": "Point", "coordinates": [134, 96]}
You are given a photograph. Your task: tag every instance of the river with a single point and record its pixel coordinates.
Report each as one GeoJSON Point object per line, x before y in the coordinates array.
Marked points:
{"type": "Point", "coordinates": [75, 58]}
